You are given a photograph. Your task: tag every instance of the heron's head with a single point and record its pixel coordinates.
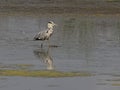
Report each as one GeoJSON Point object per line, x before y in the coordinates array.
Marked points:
{"type": "Point", "coordinates": [51, 24]}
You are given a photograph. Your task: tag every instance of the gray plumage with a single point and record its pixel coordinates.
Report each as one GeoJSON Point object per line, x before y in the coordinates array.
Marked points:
{"type": "Point", "coordinates": [45, 35]}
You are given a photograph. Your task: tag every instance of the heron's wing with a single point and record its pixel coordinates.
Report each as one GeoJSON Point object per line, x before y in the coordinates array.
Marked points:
{"type": "Point", "coordinates": [41, 35]}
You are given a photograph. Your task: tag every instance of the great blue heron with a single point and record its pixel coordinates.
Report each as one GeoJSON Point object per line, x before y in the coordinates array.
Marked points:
{"type": "Point", "coordinates": [45, 35]}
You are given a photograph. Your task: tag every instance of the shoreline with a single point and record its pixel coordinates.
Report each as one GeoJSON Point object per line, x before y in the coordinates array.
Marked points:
{"type": "Point", "coordinates": [81, 8]}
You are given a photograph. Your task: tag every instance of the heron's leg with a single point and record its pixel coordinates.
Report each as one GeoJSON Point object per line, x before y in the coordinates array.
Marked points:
{"type": "Point", "coordinates": [48, 43]}
{"type": "Point", "coordinates": [41, 45]}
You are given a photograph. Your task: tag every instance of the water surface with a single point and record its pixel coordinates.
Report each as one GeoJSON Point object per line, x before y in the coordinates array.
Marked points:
{"type": "Point", "coordinates": [86, 43]}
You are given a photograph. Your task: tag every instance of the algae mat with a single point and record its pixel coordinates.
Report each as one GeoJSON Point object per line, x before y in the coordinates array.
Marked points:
{"type": "Point", "coordinates": [44, 73]}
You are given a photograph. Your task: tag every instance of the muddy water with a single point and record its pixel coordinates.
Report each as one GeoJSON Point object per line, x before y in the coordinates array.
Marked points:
{"type": "Point", "coordinates": [79, 43]}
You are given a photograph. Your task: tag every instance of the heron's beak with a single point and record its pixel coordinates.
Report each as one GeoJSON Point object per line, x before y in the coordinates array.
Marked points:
{"type": "Point", "coordinates": [55, 24]}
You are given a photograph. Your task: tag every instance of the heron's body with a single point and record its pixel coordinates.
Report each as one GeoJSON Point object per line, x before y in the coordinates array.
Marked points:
{"type": "Point", "coordinates": [45, 35]}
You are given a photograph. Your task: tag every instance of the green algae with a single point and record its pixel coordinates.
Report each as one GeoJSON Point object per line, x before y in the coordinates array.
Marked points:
{"type": "Point", "coordinates": [116, 84]}
{"type": "Point", "coordinates": [24, 70]}
{"type": "Point", "coordinates": [43, 73]}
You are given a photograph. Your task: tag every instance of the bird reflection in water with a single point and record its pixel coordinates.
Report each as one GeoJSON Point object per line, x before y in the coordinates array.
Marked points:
{"type": "Point", "coordinates": [45, 56]}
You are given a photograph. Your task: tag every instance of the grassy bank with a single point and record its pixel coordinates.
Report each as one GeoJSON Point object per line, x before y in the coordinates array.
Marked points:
{"type": "Point", "coordinates": [54, 74]}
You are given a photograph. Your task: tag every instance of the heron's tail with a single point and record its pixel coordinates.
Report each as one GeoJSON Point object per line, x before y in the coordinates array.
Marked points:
{"type": "Point", "coordinates": [36, 37]}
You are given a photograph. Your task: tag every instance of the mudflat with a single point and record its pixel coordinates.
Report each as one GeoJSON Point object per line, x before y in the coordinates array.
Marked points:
{"type": "Point", "coordinates": [60, 7]}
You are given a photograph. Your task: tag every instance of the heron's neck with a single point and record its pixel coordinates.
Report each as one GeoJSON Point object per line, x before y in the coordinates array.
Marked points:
{"type": "Point", "coordinates": [50, 28]}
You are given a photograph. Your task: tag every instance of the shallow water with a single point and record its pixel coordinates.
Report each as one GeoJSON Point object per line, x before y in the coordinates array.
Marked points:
{"type": "Point", "coordinates": [85, 43]}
